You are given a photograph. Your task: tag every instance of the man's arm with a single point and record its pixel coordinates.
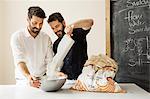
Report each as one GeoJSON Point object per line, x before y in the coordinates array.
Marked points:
{"type": "Point", "coordinates": [32, 80]}
{"type": "Point", "coordinates": [24, 69]}
{"type": "Point", "coordinates": [84, 24]}
{"type": "Point", "coordinates": [20, 60]}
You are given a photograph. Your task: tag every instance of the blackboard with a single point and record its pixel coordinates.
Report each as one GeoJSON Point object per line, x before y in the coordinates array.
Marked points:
{"type": "Point", "coordinates": [130, 40]}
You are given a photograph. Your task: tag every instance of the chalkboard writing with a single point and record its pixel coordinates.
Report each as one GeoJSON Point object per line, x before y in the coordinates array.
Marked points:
{"type": "Point", "coordinates": [130, 33]}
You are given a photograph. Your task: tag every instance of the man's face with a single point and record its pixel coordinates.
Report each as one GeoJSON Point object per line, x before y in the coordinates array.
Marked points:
{"type": "Point", "coordinates": [57, 27]}
{"type": "Point", "coordinates": [35, 24]}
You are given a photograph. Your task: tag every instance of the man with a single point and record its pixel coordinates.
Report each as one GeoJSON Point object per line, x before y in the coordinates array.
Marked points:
{"type": "Point", "coordinates": [76, 57]}
{"type": "Point", "coordinates": [32, 49]}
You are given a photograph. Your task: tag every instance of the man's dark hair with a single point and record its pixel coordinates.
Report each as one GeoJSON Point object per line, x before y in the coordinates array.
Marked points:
{"type": "Point", "coordinates": [55, 16]}
{"type": "Point", "coordinates": [36, 11]}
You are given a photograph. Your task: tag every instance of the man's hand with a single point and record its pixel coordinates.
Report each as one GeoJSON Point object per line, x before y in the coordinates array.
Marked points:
{"type": "Point", "coordinates": [60, 74]}
{"type": "Point", "coordinates": [33, 81]}
{"type": "Point", "coordinates": [69, 30]}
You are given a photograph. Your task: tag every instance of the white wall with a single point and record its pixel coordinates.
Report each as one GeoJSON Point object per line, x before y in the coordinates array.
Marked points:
{"type": "Point", "coordinates": [1, 72]}
{"type": "Point", "coordinates": [13, 17]}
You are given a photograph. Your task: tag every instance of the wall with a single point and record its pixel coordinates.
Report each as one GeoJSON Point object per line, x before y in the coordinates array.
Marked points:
{"type": "Point", "coordinates": [13, 17]}
{"type": "Point", "coordinates": [1, 72]}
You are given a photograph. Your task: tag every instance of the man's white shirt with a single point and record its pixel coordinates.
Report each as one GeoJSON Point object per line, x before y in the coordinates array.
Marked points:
{"type": "Point", "coordinates": [36, 52]}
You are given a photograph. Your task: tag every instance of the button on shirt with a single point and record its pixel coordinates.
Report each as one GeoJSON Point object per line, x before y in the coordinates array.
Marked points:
{"type": "Point", "coordinates": [36, 52]}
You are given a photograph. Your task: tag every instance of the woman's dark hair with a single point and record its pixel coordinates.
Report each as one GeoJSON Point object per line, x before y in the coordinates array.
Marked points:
{"type": "Point", "coordinates": [36, 11]}
{"type": "Point", "coordinates": [55, 16]}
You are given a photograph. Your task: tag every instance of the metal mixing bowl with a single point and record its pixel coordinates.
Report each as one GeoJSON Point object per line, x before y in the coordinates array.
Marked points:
{"type": "Point", "coordinates": [52, 84]}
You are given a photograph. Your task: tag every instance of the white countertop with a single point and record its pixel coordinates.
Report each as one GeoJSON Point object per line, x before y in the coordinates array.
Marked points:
{"type": "Point", "coordinates": [22, 92]}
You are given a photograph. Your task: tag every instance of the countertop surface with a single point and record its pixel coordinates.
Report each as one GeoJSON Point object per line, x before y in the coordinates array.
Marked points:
{"type": "Point", "coordinates": [24, 92]}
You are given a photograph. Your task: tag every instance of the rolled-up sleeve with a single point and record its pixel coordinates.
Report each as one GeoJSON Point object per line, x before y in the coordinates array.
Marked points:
{"type": "Point", "coordinates": [17, 49]}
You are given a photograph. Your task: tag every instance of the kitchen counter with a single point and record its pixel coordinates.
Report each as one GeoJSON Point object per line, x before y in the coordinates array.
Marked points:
{"type": "Point", "coordinates": [24, 92]}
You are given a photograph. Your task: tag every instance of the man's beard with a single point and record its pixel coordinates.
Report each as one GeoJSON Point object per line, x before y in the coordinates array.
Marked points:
{"type": "Point", "coordinates": [61, 35]}
{"type": "Point", "coordinates": [62, 31]}
{"type": "Point", "coordinates": [35, 30]}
